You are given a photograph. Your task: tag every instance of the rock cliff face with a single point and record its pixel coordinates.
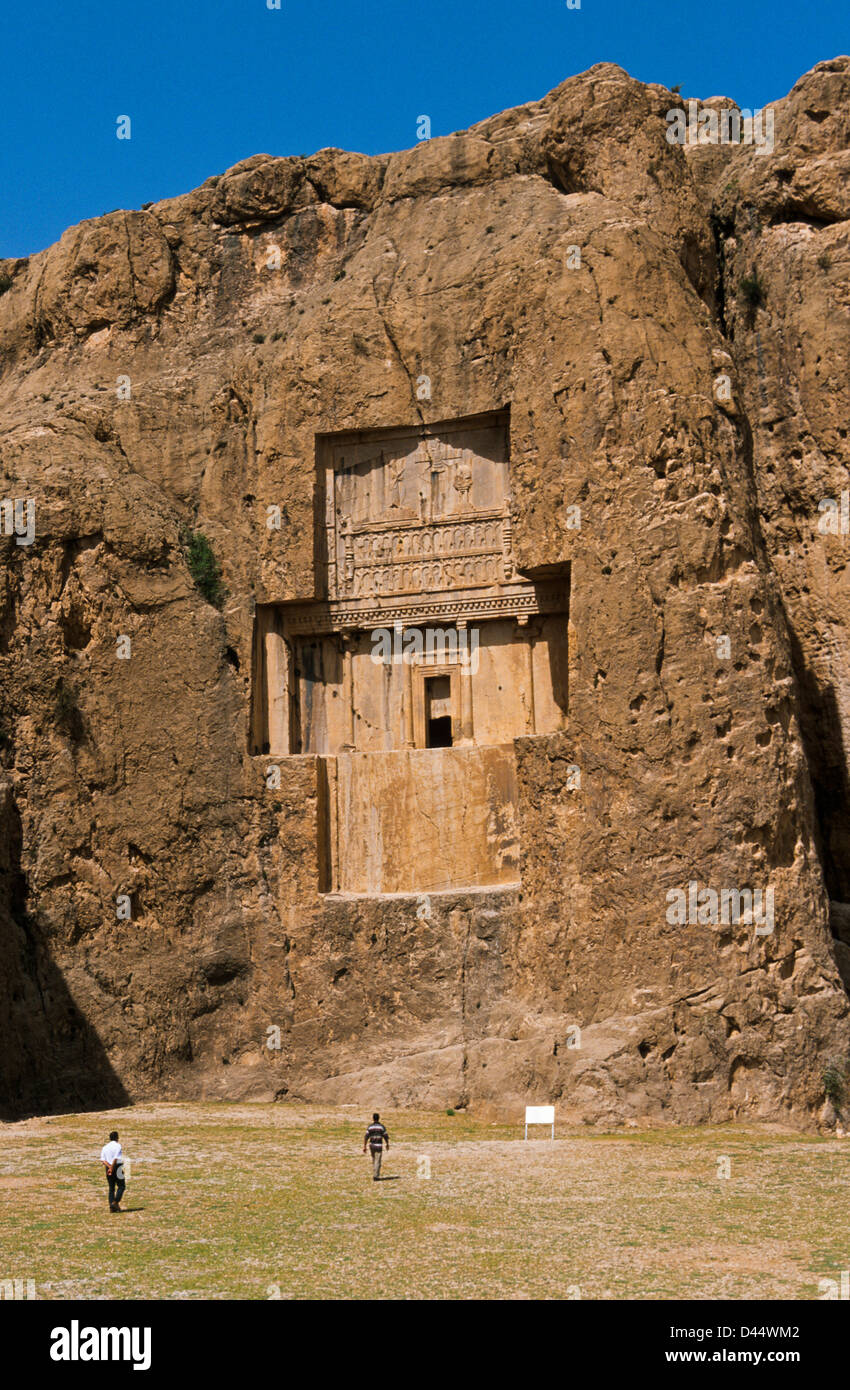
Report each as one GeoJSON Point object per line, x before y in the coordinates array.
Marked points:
{"type": "Point", "coordinates": [668, 328]}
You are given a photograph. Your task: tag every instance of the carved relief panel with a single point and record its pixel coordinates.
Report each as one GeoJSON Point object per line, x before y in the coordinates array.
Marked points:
{"type": "Point", "coordinates": [418, 512]}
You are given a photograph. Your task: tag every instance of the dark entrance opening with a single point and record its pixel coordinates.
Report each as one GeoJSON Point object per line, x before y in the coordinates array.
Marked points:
{"type": "Point", "coordinates": [440, 732]}
{"type": "Point", "coordinates": [438, 712]}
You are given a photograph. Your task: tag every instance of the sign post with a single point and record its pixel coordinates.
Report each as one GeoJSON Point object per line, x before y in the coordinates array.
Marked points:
{"type": "Point", "coordinates": [540, 1115]}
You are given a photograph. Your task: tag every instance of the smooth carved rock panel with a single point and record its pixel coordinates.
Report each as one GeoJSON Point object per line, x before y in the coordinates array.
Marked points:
{"type": "Point", "coordinates": [423, 820]}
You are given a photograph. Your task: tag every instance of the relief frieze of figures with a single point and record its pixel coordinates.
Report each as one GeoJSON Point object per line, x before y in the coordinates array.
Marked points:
{"type": "Point", "coordinates": [454, 573]}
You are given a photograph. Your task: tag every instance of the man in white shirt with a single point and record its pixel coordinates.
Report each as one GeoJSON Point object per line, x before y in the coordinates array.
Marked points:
{"type": "Point", "coordinates": [112, 1158]}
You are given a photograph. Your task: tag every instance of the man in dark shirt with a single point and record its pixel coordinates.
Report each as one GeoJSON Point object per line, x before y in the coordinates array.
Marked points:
{"type": "Point", "coordinates": [376, 1136]}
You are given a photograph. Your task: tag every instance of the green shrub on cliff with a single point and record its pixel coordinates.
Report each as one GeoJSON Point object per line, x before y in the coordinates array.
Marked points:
{"type": "Point", "coordinates": [203, 566]}
{"type": "Point", "coordinates": [834, 1080]}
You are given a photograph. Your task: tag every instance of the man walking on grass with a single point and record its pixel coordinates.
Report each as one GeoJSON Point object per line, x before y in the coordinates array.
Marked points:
{"type": "Point", "coordinates": [375, 1137]}
{"type": "Point", "coordinates": [112, 1158]}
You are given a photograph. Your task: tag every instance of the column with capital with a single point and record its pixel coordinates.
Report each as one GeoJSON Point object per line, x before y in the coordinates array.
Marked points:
{"type": "Point", "coordinates": [465, 682]}
{"type": "Point", "coordinates": [277, 687]}
{"type": "Point", "coordinates": [527, 631]}
{"type": "Point", "coordinates": [348, 642]}
{"type": "Point", "coordinates": [408, 733]}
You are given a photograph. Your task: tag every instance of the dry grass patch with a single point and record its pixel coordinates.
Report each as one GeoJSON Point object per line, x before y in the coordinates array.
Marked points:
{"type": "Point", "coordinates": [245, 1201]}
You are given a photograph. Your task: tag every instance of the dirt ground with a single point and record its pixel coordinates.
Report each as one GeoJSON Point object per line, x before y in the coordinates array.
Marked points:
{"type": "Point", "coordinates": [277, 1201]}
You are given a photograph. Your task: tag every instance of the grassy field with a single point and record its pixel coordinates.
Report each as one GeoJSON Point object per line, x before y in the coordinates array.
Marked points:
{"type": "Point", "coordinates": [248, 1201]}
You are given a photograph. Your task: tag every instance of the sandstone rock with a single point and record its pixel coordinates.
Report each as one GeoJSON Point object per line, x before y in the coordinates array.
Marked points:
{"type": "Point", "coordinates": [295, 301]}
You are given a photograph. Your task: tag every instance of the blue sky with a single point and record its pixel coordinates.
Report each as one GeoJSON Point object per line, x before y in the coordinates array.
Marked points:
{"type": "Point", "coordinates": [209, 83]}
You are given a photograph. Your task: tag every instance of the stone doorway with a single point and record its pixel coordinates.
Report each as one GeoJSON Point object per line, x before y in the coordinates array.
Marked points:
{"type": "Point", "coordinates": [438, 711]}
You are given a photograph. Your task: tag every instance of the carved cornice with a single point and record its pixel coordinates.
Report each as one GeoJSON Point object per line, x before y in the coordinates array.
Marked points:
{"type": "Point", "coordinates": [513, 601]}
